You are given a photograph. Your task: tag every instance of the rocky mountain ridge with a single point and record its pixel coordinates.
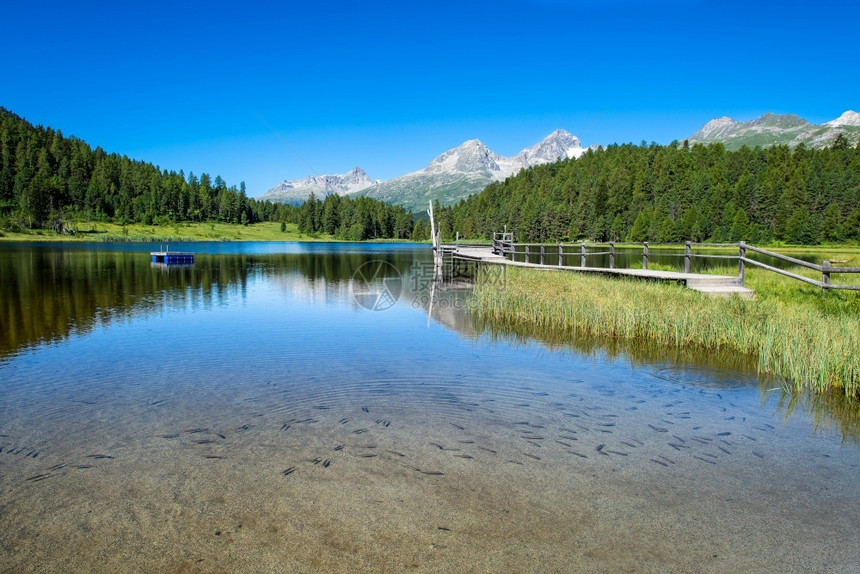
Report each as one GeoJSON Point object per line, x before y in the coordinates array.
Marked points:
{"type": "Point", "coordinates": [451, 176]}
{"type": "Point", "coordinates": [776, 129]}
{"type": "Point", "coordinates": [296, 191]}
{"type": "Point", "coordinates": [469, 168]}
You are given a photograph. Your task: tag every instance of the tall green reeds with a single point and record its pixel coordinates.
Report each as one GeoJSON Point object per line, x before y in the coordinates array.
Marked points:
{"type": "Point", "coordinates": [810, 339]}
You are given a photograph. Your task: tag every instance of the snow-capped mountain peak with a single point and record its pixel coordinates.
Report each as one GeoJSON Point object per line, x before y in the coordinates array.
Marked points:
{"type": "Point", "coordinates": [471, 156]}
{"type": "Point", "coordinates": [451, 176]}
{"type": "Point", "coordinates": [298, 190]}
{"type": "Point", "coordinates": [469, 168]}
{"type": "Point", "coordinates": [560, 144]}
{"type": "Point", "coordinates": [849, 118]}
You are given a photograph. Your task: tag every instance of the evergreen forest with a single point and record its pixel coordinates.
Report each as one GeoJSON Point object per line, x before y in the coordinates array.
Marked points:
{"type": "Point", "coordinates": [675, 193]}
{"type": "Point", "coordinates": [48, 180]}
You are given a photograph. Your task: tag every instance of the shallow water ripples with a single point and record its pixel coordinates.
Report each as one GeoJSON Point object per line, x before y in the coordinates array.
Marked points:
{"type": "Point", "coordinates": [457, 449]}
{"type": "Point", "coordinates": [449, 419]}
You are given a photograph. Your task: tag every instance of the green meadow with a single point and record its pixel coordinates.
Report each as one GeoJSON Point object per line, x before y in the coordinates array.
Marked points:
{"type": "Point", "coordinates": [108, 232]}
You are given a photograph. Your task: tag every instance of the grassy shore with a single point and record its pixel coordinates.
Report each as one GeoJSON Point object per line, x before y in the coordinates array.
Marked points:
{"type": "Point", "coordinates": [98, 231]}
{"type": "Point", "coordinates": [795, 331]}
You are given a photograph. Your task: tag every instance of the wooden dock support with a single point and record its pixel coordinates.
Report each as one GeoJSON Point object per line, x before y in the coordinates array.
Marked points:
{"type": "Point", "coordinates": [687, 252]}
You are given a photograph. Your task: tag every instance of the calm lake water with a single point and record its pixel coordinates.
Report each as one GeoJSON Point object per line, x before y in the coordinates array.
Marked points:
{"type": "Point", "coordinates": [254, 413]}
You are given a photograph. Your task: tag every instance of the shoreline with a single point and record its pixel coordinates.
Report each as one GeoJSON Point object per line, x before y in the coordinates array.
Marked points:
{"type": "Point", "coordinates": [270, 232]}
{"type": "Point", "coordinates": [182, 233]}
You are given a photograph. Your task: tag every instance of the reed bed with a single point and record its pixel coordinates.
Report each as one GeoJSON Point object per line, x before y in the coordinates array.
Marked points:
{"type": "Point", "coordinates": [114, 238]}
{"type": "Point", "coordinates": [810, 339]}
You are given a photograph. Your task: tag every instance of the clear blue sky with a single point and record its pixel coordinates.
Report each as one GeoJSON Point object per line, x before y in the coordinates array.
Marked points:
{"type": "Point", "coordinates": [388, 86]}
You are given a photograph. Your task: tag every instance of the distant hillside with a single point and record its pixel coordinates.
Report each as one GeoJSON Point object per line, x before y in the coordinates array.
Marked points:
{"type": "Point", "coordinates": [771, 129]}
{"type": "Point", "coordinates": [468, 169]}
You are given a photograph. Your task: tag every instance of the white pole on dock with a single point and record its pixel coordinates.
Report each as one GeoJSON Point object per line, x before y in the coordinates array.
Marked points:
{"type": "Point", "coordinates": [437, 241]}
{"type": "Point", "coordinates": [432, 225]}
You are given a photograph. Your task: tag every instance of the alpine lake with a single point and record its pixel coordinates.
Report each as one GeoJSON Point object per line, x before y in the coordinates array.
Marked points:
{"type": "Point", "coordinates": [327, 407]}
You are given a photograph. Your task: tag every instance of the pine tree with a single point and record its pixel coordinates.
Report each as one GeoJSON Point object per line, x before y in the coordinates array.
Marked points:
{"type": "Point", "coordinates": [640, 230]}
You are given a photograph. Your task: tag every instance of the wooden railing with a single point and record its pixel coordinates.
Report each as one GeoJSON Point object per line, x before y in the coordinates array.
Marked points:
{"type": "Point", "coordinates": [503, 244]}
{"type": "Point", "coordinates": [826, 269]}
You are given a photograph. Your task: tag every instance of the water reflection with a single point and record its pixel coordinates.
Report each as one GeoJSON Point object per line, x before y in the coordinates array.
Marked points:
{"type": "Point", "coordinates": [48, 294]}
{"type": "Point", "coordinates": [447, 303]}
{"type": "Point", "coordinates": [825, 412]}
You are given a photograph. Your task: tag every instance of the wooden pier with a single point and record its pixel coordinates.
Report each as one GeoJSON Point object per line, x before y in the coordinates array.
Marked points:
{"type": "Point", "coordinates": [710, 284]}
{"type": "Point", "coordinates": [503, 251]}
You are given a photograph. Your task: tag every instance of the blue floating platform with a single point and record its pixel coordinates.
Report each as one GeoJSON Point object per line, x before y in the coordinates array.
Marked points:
{"type": "Point", "coordinates": [172, 257]}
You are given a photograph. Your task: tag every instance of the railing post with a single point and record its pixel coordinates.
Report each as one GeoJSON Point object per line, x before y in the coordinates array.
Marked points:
{"type": "Point", "coordinates": [560, 255]}
{"type": "Point", "coordinates": [687, 252]}
{"type": "Point", "coordinates": [612, 255]}
{"type": "Point", "coordinates": [457, 241]}
{"type": "Point", "coordinates": [645, 255]}
{"type": "Point", "coordinates": [542, 253]}
{"type": "Point", "coordinates": [582, 257]}
{"type": "Point", "coordinates": [526, 252]}
{"type": "Point", "coordinates": [742, 253]}
{"type": "Point", "coordinates": [825, 273]}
